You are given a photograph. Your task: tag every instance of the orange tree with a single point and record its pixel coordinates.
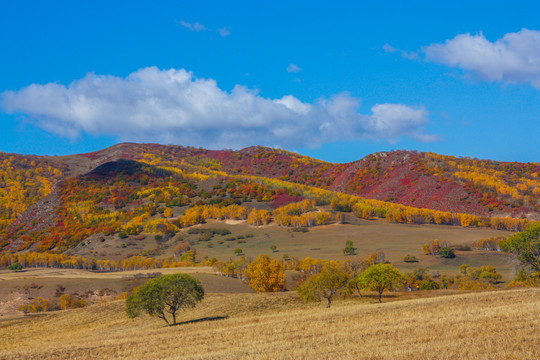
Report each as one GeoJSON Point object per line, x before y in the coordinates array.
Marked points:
{"type": "Point", "coordinates": [265, 274]}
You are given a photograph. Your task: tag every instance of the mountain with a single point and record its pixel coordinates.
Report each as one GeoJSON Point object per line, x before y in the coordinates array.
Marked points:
{"type": "Point", "coordinates": [59, 201]}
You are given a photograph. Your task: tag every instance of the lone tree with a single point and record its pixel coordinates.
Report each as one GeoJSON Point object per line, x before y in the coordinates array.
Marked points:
{"type": "Point", "coordinates": [380, 277]}
{"type": "Point", "coordinates": [331, 280]}
{"type": "Point", "coordinates": [265, 274]}
{"type": "Point", "coordinates": [526, 245]}
{"type": "Point", "coordinates": [165, 295]}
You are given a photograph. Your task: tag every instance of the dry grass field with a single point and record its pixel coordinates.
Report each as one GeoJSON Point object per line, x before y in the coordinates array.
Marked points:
{"type": "Point", "coordinates": [18, 288]}
{"type": "Point", "coordinates": [488, 325]}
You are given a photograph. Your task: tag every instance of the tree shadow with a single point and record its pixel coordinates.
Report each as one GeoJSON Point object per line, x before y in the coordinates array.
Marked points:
{"type": "Point", "coordinates": [213, 318]}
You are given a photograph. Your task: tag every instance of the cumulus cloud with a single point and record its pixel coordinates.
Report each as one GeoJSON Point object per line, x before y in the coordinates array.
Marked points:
{"type": "Point", "coordinates": [515, 58]}
{"type": "Point", "coordinates": [192, 26]}
{"type": "Point", "coordinates": [173, 106]}
{"type": "Point", "coordinates": [292, 68]}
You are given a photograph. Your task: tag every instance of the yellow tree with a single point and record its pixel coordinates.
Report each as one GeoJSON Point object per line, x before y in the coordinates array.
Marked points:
{"type": "Point", "coordinates": [331, 280]}
{"type": "Point", "coordinates": [265, 274]}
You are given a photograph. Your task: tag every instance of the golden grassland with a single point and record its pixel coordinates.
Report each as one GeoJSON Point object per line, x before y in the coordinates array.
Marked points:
{"type": "Point", "coordinates": [501, 324]}
{"type": "Point", "coordinates": [36, 273]}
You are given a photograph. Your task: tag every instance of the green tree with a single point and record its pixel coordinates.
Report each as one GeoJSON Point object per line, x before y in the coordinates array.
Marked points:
{"type": "Point", "coordinates": [526, 245]}
{"type": "Point", "coordinates": [380, 277]}
{"type": "Point", "coordinates": [165, 295]}
{"type": "Point", "coordinates": [331, 280]}
{"type": "Point", "coordinates": [265, 274]}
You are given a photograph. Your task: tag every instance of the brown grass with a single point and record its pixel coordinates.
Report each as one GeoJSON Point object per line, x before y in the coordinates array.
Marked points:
{"type": "Point", "coordinates": [18, 288]}
{"type": "Point", "coordinates": [489, 325]}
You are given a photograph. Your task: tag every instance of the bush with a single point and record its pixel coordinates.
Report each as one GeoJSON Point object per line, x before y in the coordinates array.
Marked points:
{"type": "Point", "coordinates": [16, 266]}
{"type": "Point", "coordinates": [463, 247]}
{"type": "Point", "coordinates": [205, 236]}
{"type": "Point", "coordinates": [349, 250]}
{"type": "Point", "coordinates": [447, 253]}
{"type": "Point", "coordinates": [429, 284]}
{"type": "Point", "coordinates": [410, 259]}
{"type": "Point", "coordinates": [122, 235]}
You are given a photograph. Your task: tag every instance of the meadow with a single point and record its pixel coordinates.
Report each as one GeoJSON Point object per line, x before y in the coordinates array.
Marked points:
{"type": "Point", "coordinates": [502, 324]}
{"type": "Point", "coordinates": [368, 236]}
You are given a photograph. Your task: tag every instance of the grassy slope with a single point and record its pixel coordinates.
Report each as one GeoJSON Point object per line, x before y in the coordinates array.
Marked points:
{"type": "Point", "coordinates": [326, 242]}
{"type": "Point", "coordinates": [489, 325]}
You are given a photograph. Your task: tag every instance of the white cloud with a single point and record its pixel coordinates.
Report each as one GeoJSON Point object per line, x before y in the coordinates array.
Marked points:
{"type": "Point", "coordinates": [172, 106]}
{"type": "Point", "coordinates": [389, 48]}
{"type": "Point", "coordinates": [411, 55]}
{"type": "Point", "coordinates": [225, 31]}
{"type": "Point", "coordinates": [292, 68]}
{"type": "Point", "coordinates": [513, 59]}
{"type": "Point", "coordinates": [192, 26]}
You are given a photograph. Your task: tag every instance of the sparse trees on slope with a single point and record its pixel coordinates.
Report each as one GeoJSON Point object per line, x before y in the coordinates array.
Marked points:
{"type": "Point", "coordinates": [164, 296]}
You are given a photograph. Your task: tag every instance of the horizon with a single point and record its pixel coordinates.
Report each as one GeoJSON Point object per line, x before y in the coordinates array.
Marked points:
{"type": "Point", "coordinates": [272, 148]}
{"type": "Point", "coordinates": [332, 82]}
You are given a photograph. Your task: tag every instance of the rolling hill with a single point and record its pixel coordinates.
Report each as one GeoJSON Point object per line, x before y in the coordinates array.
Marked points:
{"type": "Point", "coordinates": [55, 203]}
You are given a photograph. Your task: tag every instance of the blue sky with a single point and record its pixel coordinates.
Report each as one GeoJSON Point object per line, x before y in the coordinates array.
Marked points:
{"type": "Point", "coordinates": [334, 81]}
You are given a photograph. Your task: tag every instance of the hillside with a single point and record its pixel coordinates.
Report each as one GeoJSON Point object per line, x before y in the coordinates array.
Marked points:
{"type": "Point", "coordinates": [54, 203]}
{"type": "Point", "coordinates": [426, 180]}
{"type": "Point", "coordinates": [487, 325]}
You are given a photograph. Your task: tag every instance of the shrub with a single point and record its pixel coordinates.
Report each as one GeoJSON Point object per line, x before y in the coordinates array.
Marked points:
{"type": "Point", "coordinates": [429, 284]}
{"type": "Point", "coordinates": [410, 259]}
{"type": "Point", "coordinates": [447, 253]}
{"type": "Point", "coordinates": [16, 266]}
{"type": "Point", "coordinates": [122, 235]}
{"type": "Point", "coordinates": [348, 250]}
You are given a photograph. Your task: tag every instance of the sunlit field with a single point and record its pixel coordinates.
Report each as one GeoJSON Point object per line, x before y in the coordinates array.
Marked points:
{"type": "Point", "coordinates": [489, 325]}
